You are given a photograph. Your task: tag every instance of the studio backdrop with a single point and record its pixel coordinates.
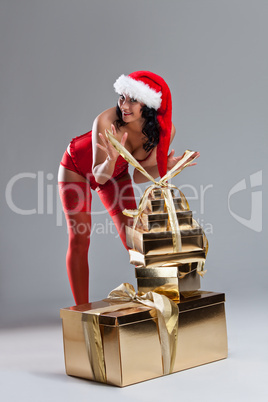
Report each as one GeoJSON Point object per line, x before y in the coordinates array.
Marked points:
{"type": "Point", "coordinates": [59, 60]}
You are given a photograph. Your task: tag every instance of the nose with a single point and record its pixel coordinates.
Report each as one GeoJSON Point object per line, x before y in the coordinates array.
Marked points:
{"type": "Point", "coordinates": [124, 104]}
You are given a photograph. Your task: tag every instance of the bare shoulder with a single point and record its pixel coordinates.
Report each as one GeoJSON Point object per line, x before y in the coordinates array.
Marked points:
{"type": "Point", "coordinates": [102, 122]}
{"type": "Point", "coordinates": [106, 118]}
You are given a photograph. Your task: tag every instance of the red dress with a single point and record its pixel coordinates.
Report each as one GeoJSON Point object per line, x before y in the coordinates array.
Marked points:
{"type": "Point", "coordinates": [115, 195]}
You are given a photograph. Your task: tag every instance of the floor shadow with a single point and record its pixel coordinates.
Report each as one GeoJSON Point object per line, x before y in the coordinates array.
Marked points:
{"type": "Point", "coordinates": [62, 377]}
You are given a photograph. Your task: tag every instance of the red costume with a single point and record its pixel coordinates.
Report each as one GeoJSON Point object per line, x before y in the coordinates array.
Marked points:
{"type": "Point", "coordinates": [80, 161]}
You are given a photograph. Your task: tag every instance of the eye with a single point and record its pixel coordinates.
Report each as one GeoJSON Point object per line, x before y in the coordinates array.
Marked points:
{"type": "Point", "coordinates": [132, 100]}
{"type": "Point", "coordinates": [121, 97]}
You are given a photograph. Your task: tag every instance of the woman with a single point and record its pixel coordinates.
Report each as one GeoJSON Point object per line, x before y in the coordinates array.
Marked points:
{"type": "Point", "coordinates": [141, 121]}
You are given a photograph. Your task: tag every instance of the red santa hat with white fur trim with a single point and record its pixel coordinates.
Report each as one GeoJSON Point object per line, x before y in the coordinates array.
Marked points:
{"type": "Point", "coordinates": [153, 91]}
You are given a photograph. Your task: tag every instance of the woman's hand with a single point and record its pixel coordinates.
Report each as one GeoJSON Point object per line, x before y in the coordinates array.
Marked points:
{"type": "Point", "coordinates": [107, 147]}
{"type": "Point", "coordinates": [172, 160]}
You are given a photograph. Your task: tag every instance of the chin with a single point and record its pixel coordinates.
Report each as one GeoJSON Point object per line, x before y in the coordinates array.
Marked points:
{"type": "Point", "coordinates": [128, 119]}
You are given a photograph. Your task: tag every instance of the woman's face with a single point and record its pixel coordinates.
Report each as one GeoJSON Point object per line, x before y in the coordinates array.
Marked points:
{"type": "Point", "coordinates": [130, 108]}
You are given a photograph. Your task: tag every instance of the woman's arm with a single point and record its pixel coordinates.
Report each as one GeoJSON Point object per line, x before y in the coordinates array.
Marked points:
{"type": "Point", "coordinates": [104, 154]}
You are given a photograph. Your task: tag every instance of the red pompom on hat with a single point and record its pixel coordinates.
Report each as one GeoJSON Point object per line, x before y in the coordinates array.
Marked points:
{"type": "Point", "coordinates": [153, 91]}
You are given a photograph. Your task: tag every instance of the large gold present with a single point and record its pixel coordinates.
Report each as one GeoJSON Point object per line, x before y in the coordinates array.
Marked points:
{"type": "Point", "coordinates": [129, 339]}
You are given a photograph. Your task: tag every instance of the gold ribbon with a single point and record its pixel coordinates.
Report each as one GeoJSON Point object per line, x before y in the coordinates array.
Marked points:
{"type": "Point", "coordinates": [172, 293]}
{"type": "Point", "coordinates": [186, 159]}
{"type": "Point", "coordinates": [125, 295]}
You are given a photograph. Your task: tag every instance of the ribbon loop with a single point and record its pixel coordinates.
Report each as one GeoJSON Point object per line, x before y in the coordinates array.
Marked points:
{"type": "Point", "coordinates": [126, 297]}
{"type": "Point", "coordinates": [167, 314]}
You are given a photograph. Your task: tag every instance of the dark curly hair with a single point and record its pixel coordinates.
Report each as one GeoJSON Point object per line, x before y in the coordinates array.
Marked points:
{"type": "Point", "coordinates": [151, 128]}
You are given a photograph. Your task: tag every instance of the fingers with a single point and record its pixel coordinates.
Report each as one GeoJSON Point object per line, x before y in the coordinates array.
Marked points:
{"type": "Point", "coordinates": [171, 153]}
{"type": "Point", "coordinates": [102, 147]}
{"type": "Point", "coordinates": [104, 139]}
{"type": "Point", "coordinates": [124, 138]}
{"type": "Point", "coordinates": [194, 156]}
{"type": "Point", "coordinates": [177, 158]}
{"type": "Point", "coordinates": [106, 147]}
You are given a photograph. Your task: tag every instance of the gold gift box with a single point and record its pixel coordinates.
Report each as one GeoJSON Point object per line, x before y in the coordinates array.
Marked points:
{"type": "Point", "coordinates": [130, 339]}
{"type": "Point", "coordinates": [162, 272]}
{"type": "Point", "coordinates": [151, 261]}
{"type": "Point", "coordinates": [157, 222]}
{"type": "Point", "coordinates": [166, 279]}
{"type": "Point", "coordinates": [159, 242]}
{"type": "Point", "coordinates": [158, 205]}
{"type": "Point", "coordinates": [158, 194]}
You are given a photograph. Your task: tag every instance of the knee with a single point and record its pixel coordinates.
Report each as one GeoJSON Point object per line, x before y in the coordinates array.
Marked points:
{"type": "Point", "coordinates": [79, 243]}
{"type": "Point", "coordinates": [79, 228]}
{"type": "Point", "coordinates": [78, 248]}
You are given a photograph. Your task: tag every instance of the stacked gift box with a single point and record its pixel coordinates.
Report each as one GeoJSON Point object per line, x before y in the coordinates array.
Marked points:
{"type": "Point", "coordinates": [117, 340]}
{"type": "Point", "coordinates": [158, 267]}
{"type": "Point", "coordinates": [169, 324]}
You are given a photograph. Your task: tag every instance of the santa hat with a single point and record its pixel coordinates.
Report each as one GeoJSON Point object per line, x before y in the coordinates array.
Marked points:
{"type": "Point", "coordinates": [153, 91]}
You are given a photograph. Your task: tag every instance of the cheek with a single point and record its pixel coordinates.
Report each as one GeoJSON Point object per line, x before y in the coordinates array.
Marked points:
{"type": "Point", "coordinates": [136, 109]}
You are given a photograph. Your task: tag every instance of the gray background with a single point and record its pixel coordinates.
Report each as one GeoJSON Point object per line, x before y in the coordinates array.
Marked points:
{"type": "Point", "coordinates": [58, 61]}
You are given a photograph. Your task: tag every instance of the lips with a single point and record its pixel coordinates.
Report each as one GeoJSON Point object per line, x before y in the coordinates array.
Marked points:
{"type": "Point", "coordinates": [126, 114]}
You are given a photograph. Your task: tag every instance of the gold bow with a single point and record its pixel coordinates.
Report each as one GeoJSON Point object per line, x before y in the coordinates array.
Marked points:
{"type": "Point", "coordinates": [125, 295]}
{"type": "Point", "coordinates": [186, 159]}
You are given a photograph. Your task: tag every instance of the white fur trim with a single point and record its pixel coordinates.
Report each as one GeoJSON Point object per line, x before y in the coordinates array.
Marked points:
{"type": "Point", "coordinates": [138, 90]}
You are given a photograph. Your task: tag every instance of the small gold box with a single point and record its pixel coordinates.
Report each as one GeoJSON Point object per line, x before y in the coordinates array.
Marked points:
{"type": "Point", "coordinates": [166, 278]}
{"type": "Point", "coordinates": [172, 271]}
{"type": "Point", "coordinates": [157, 193]}
{"type": "Point", "coordinates": [159, 260]}
{"type": "Point", "coordinates": [130, 339]}
{"type": "Point", "coordinates": [159, 242]}
{"type": "Point", "coordinates": [157, 222]}
{"type": "Point", "coordinates": [158, 205]}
